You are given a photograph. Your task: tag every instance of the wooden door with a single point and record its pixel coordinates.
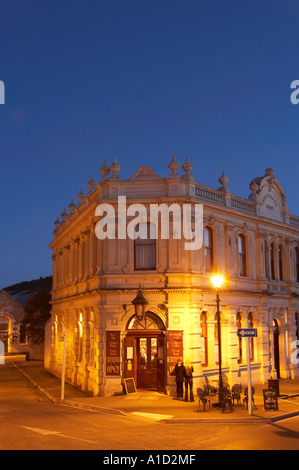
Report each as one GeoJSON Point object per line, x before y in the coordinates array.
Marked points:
{"type": "Point", "coordinates": [145, 360]}
{"type": "Point", "coordinates": [161, 365]}
{"type": "Point", "coordinates": [147, 349]}
{"type": "Point", "coordinates": [276, 349]}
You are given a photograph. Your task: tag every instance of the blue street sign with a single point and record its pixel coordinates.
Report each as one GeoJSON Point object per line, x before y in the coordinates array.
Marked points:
{"type": "Point", "coordinates": [247, 332]}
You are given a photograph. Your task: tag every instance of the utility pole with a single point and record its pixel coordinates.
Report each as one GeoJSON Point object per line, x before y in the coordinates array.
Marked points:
{"type": "Point", "coordinates": [248, 333]}
{"type": "Point", "coordinates": [249, 376]}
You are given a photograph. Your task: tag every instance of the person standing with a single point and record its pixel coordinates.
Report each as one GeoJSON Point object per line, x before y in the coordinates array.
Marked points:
{"type": "Point", "coordinates": [188, 381]}
{"type": "Point", "coordinates": [179, 372]}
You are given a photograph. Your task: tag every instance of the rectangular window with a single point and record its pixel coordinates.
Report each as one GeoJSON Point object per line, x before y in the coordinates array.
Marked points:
{"type": "Point", "coordinates": [272, 265]}
{"type": "Point", "coordinates": [154, 352]}
{"type": "Point", "coordinates": [239, 325]}
{"type": "Point", "coordinates": [208, 244]}
{"type": "Point", "coordinates": [267, 274]}
{"type": "Point", "coordinates": [143, 353]}
{"type": "Point", "coordinates": [280, 268]}
{"type": "Point", "coordinates": [204, 336]}
{"type": "Point", "coordinates": [242, 255]}
{"type": "Point", "coordinates": [145, 252]}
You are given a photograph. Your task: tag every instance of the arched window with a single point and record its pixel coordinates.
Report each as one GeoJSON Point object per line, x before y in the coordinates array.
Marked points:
{"type": "Point", "coordinates": [276, 354]}
{"type": "Point", "coordinates": [80, 338]}
{"type": "Point", "coordinates": [239, 326]}
{"type": "Point", "coordinates": [145, 250]}
{"type": "Point", "coordinates": [204, 336]}
{"type": "Point", "coordinates": [250, 325]}
{"type": "Point", "coordinates": [150, 321]}
{"type": "Point", "coordinates": [91, 337]}
{"type": "Point", "coordinates": [297, 264]}
{"type": "Point", "coordinates": [280, 268]}
{"type": "Point", "coordinates": [242, 255]}
{"type": "Point", "coordinates": [209, 252]}
{"type": "Point", "coordinates": [267, 274]}
{"type": "Point", "coordinates": [216, 338]}
{"type": "Point", "coordinates": [272, 265]}
{"type": "Point", "coordinates": [4, 334]}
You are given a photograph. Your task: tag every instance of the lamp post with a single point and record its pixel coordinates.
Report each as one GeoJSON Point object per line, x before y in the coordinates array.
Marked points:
{"type": "Point", "coordinates": [217, 281]}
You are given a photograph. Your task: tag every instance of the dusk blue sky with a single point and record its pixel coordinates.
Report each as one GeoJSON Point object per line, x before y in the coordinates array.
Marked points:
{"type": "Point", "coordinates": [140, 80]}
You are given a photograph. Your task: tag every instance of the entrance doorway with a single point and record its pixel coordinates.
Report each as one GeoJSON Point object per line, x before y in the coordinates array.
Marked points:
{"type": "Point", "coordinates": [276, 347]}
{"type": "Point", "coordinates": [4, 332]}
{"type": "Point", "coordinates": [145, 352]}
{"type": "Point", "coordinates": [147, 362]}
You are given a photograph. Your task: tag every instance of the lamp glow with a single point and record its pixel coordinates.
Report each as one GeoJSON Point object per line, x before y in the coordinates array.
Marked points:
{"type": "Point", "coordinates": [217, 281]}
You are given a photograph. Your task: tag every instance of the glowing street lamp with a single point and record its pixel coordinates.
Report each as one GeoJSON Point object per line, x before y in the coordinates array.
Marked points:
{"type": "Point", "coordinates": [217, 281]}
{"type": "Point", "coordinates": [140, 303]}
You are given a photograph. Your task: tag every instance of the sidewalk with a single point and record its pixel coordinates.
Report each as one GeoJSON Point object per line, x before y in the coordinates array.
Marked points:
{"type": "Point", "coordinates": [155, 406]}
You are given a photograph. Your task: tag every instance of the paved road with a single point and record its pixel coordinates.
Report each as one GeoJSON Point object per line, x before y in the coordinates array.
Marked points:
{"type": "Point", "coordinates": [30, 421]}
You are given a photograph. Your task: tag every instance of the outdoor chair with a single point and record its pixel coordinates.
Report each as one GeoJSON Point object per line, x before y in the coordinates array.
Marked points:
{"type": "Point", "coordinates": [245, 399]}
{"type": "Point", "coordinates": [202, 398]}
{"type": "Point", "coordinates": [226, 400]}
{"type": "Point", "coordinates": [236, 394]}
{"type": "Point", "coordinates": [210, 389]}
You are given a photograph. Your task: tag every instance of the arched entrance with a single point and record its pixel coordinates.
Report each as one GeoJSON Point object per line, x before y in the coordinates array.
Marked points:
{"type": "Point", "coordinates": [276, 347]}
{"type": "Point", "coordinates": [145, 352]}
{"type": "Point", "coordinates": [4, 331]}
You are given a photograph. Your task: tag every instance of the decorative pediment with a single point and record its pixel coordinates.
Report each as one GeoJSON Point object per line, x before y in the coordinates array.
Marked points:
{"type": "Point", "coordinates": [269, 194]}
{"type": "Point", "coordinates": [144, 173]}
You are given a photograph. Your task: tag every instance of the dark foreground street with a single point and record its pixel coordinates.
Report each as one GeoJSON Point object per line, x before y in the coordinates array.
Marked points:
{"type": "Point", "coordinates": [31, 422]}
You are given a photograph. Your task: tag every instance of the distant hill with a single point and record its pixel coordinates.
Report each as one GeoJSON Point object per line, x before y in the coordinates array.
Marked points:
{"type": "Point", "coordinates": [23, 291]}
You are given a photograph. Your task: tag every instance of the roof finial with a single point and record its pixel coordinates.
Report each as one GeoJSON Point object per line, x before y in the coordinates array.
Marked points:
{"type": "Point", "coordinates": [72, 206]}
{"type": "Point", "coordinates": [174, 166]}
{"type": "Point", "coordinates": [91, 184]}
{"type": "Point", "coordinates": [115, 168]}
{"type": "Point", "coordinates": [80, 196]}
{"type": "Point", "coordinates": [223, 180]}
{"type": "Point", "coordinates": [104, 171]}
{"type": "Point", "coordinates": [187, 167]}
{"type": "Point", "coordinates": [64, 215]}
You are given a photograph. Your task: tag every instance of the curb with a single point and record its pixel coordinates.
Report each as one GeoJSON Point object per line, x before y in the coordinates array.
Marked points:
{"type": "Point", "coordinates": [82, 406]}
{"type": "Point", "coordinates": [44, 392]}
{"type": "Point", "coordinates": [114, 411]}
{"type": "Point", "coordinates": [217, 420]}
{"type": "Point", "coordinates": [285, 416]}
{"type": "Point", "coordinates": [66, 402]}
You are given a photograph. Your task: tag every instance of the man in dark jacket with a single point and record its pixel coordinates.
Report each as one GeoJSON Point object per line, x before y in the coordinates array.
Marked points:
{"type": "Point", "coordinates": [179, 372]}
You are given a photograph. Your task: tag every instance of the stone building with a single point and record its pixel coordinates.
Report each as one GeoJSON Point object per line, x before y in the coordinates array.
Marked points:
{"type": "Point", "coordinates": [12, 335]}
{"type": "Point", "coordinates": [254, 242]}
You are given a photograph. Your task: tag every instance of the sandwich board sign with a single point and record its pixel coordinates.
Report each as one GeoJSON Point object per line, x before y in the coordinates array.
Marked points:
{"type": "Point", "coordinates": [270, 400]}
{"type": "Point", "coordinates": [130, 386]}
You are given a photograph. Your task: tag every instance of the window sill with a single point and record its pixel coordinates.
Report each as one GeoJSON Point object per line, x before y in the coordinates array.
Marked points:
{"type": "Point", "coordinates": [150, 270]}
